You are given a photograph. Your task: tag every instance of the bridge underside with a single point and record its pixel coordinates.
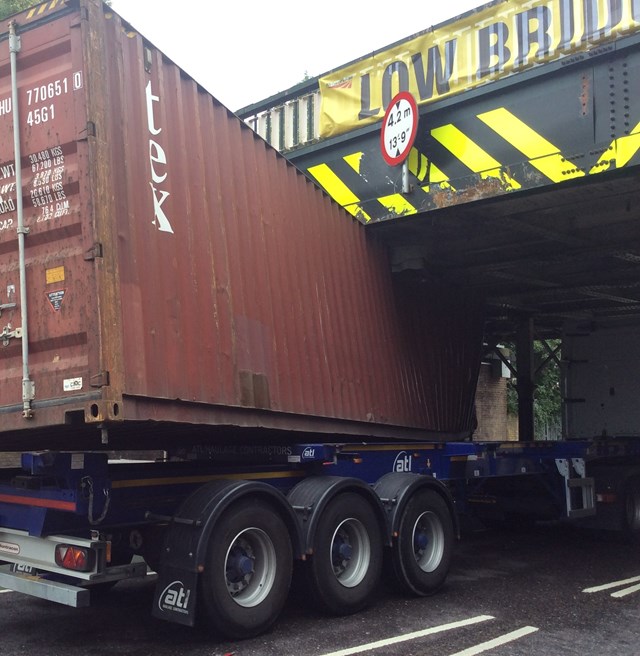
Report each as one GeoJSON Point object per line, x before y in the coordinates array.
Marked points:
{"type": "Point", "coordinates": [526, 190]}
{"type": "Point", "coordinates": [567, 253]}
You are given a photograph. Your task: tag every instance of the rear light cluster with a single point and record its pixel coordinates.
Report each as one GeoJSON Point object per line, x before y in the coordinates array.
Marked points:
{"type": "Point", "coordinates": [78, 559]}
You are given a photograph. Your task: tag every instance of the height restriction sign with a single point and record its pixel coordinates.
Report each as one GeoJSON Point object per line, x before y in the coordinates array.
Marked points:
{"type": "Point", "coordinates": [399, 128]}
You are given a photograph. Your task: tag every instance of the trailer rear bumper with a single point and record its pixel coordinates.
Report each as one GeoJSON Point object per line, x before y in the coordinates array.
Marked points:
{"type": "Point", "coordinates": [38, 586]}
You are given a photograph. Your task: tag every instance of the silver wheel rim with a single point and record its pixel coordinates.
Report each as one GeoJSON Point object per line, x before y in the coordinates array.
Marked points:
{"type": "Point", "coordinates": [250, 567]}
{"type": "Point", "coordinates": [428, 541]}
{"type": "Point", "coordinates": [350, 552]}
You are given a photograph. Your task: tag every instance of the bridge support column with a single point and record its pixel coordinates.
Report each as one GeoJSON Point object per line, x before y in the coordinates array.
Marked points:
{"type": "Point", "coordinates": [526, 373]}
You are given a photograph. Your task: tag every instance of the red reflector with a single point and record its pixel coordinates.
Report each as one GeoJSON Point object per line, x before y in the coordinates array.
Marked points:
{"type": "Point", "coordinates": [74, 558]}
{"type": "Point", "coordinates": [607, 497]}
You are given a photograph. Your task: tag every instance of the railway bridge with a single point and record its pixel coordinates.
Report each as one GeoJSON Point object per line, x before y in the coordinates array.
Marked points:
{"type": "Point", "coordinates": [523, 181]}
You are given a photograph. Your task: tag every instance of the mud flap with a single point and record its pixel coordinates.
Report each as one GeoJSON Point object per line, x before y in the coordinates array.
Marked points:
{"type": "Point", "coordinates": [176, 595]}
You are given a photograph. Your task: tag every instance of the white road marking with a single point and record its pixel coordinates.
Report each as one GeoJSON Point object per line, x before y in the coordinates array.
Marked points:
{"type": "Point", "coordinates": [626, 591]}
{"type": "Point", "coordinates": [497, 642]}
{"type": "Point", "coordinates": [411, 636]}
{"type": "Point", "coordinates": [615, 584]}
{"type": "Point", "coordinates": [5, 591]}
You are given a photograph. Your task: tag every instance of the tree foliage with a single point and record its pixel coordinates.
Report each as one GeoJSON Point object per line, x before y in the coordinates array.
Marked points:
{"type": "Point", "coordinates": [547, 401]}
{"type": "Point", "coordinates": [10, 7]}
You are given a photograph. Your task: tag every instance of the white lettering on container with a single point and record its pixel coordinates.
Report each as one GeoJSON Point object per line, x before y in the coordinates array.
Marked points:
{"type": "Point", "coordinates": [158, 162]}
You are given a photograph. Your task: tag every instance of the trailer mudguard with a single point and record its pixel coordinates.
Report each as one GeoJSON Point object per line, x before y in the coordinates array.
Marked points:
{"type": "Point", "coordinates": [396, 488]}
{"type": "Point", "coordinates": [310, 497]}
{"type": "Point", "coordinates": [188, 535]}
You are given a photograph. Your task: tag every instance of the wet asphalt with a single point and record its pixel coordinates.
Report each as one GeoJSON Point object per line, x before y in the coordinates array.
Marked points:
{"type": "Point", "coordinates": [508, 593]}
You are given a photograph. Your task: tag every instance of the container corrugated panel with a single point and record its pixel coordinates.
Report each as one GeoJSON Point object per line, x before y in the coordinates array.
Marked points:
{"type": "Point", "coordinates": [185, 281]}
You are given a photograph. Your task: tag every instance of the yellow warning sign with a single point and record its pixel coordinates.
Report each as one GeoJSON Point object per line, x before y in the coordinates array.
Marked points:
{"type": "Point", "coordinates": [55, 275]}
{"type": "Point", "coordinates": [484, 45]}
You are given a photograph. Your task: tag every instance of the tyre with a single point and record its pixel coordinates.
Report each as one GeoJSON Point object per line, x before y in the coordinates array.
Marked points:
{"type": "Point", "coordinates": [632, 510]}
{"type": "Point", "coordinates": [248, 571]}
{"type": "Point", "coordinates": [346, 566]}
{"type": "Point", "coordinates": [421, 555]}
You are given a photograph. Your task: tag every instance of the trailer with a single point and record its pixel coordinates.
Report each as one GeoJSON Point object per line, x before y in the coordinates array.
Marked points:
{"type": "Point", "coordinates": [171, 286]}
{"type": "Point", "coordinates": [223, 525]}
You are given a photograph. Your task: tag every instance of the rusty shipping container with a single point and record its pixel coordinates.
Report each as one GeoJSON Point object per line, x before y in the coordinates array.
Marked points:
{"type": "Point", "coordinates": [181, 280]}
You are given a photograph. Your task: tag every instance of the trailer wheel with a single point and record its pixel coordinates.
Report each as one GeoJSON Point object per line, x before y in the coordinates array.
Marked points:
{"type": "Point", "coordinates": [248, 570]}
{"type": "Point", "coordinates": [346, 566]}
{"type": "Point", "coordinates": [632, 510]}
{"type": "Point", "coordinates": [421, 555]}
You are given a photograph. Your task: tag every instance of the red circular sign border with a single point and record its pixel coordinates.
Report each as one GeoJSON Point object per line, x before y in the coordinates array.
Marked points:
{"type": "Point", "coordinates": [403, 95]}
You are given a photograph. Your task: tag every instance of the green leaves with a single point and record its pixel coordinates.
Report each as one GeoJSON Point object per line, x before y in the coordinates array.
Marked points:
{"type": "Point", "coordinates": [9, 7]}
{"type": "Point", "coordinates": [547, 397]}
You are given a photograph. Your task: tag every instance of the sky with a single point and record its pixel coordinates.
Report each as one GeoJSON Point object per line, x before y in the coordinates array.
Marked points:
{"type": "Point", "coordinates": [245, 51]}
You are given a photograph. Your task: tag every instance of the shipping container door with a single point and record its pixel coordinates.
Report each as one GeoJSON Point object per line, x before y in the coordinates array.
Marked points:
{"type": "Point", "coordinates": [59, 247]}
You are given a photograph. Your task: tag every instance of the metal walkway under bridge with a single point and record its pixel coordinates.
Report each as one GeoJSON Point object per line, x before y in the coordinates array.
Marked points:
{"type": "Point", "coordinates": [524, 177]}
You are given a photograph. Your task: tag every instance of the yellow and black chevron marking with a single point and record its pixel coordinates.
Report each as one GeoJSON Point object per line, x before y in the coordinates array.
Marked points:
{"type": "Point", "coordinates": [541, 153]}
{"type": "Point", "coordinates": [355, 189]}
{"type": "Point", "coordinates": [39, 10]}
{"type": "Point", "coordinates": [619, 153]}
{"type": "Point", "coordinates": [472, 155]}
{"type": "Point", "coordinates": [340, 183]}
{"type": "Point", "coordinates": [337, 189]}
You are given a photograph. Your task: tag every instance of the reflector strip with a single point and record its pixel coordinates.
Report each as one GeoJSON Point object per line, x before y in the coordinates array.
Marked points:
{"type": "Point", "coordinates": [69, 506]}
{"type": "Point", "coordinates": [542, 154]}
{"type": "Point", "coordinates": [187, 480]}
{"type": "Point", "coordinates": [338, 190]}
{"type": "Point", "coordinates": [472, 155]}
{"type": "Point", "coordinates": [400, 446]}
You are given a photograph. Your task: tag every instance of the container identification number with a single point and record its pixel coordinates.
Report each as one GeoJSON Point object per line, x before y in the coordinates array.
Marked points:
{"type": "Point", "coordinates": [46, 92]}
{"type": "Point", "coordinates": [43, 94]}
{"type": "Point", "coordinates": [41, 115]}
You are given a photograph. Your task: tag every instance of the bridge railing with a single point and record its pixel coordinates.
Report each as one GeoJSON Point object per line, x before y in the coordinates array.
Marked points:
{"type": "Point", "coordinates": [291, 124]}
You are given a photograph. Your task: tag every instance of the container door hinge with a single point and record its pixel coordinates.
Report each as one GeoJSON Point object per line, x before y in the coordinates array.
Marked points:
{"type": "Point", "coordinates": [8, 333]}
{"type": "Point", "coordinates": [93, 253]}
{"type": "Point", "coordinates": [100, 380]}
{"type": "Point", "coordinates": [89, 131]}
